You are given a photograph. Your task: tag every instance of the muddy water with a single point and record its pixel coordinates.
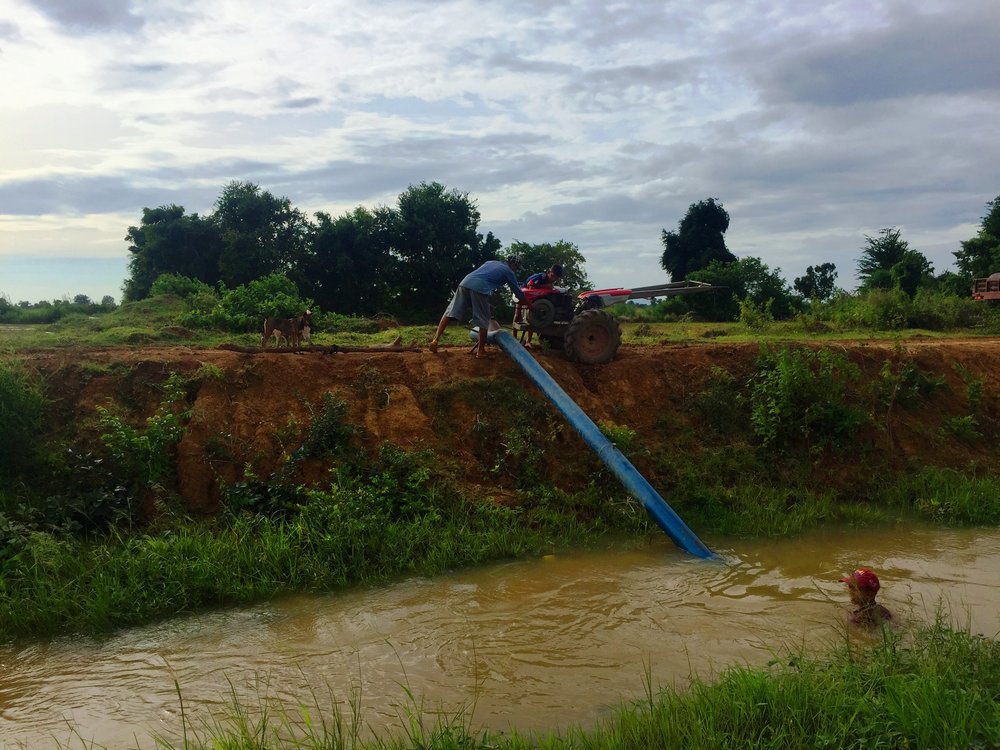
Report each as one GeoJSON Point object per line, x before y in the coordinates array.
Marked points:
{"type": "Point", "coordinates": [535, 644]}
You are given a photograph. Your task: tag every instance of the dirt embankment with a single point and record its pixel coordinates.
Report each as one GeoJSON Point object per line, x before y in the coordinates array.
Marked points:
{"type": "Point", "coordinates": [252, 408]}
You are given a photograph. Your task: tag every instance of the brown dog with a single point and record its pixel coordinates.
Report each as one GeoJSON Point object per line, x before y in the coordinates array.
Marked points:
{"type": "Point", "coordinates": [293, 330]}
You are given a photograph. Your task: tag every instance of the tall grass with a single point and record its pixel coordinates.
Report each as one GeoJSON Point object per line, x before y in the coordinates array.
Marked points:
{"type": "Point", "coordinates": [934, 687]}
{"type": "Point", "coordinates": [359, 530]}
{"type": "Point", "coordinates": [22, 404]}
{"type": "Point", "coordinates": [947, 496]}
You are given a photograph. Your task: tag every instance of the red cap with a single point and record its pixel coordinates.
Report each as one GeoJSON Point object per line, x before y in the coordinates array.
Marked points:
{"type": "Point", "coordinates": [863, 578]}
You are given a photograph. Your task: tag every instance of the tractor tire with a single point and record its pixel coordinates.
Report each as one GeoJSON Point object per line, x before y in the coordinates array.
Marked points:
{"type": "Point", "coordinates": [542, 314]}
{"type": "Point", "coordinates": [592, 337]}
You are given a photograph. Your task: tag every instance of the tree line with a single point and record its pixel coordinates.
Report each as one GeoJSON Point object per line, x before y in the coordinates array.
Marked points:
{"type": "Point", "coordinates": [697, 251]}
{"type": "Point", "coordinates": [403, 260]}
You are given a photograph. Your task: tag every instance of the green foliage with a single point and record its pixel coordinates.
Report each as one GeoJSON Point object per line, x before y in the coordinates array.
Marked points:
{"type": "Point", "coordinates": [962, 427]}
{"type": "Point", "coordinates": [894, 309]}
{"type": "Point", "coordinates": [980, 255]}
{"type": "Point", "coordinates": [335, 323]}
{"type": "Point", "coordinates": [398, 514]}
{"type": "Point", "coordinates": [973, 384]}
{"type": "Point", "coordinates": [329, 436]}
{"type": "Point", "coordinates": [698, 242]}
{"type": "Point", "coordinates": [510, 428]}
{"type": "Point", "coordinates": [622, 436]}
{"type": "Point", "coordinates": [169, 242]}
{"type": "Point", "coordinates": [88, 494]}
{"type": "Point", "coordinates": [877, 309]}
{"type": "Point", "coordinates": [756, 317]}
{"type": "Point", "coordinates": [542, 256]}
{"type": "Point", "coordinates": [245, 307]}
{"type": "Point", "coordinates": [819, 282]}
{"type": "Point", "coordinates": [262, 234]}
{"type": "Point", "coordinates": [22, 406]}
{"type": "Point", "coordinates": [329, 432]}
{"type": "Point", "coordinates": [804, 395]}
{"type": "Point", "coordinates": [349, 268]}
{"type": "Point", "coordinates": [433, 233]}
{"type": "Point", "coordinates": [888, 262]}
{"type": "Point", "coordinates": [719, 405]}
{"type": "Point", "coordinates": [947, 496]}
{"type": "Point", "coordinates": [145, 456]}
{"type": "Point", "coordinates": [902, 382]}
{"type": "Point", "coordinates": [181, 286]}
{"type": "Point", "coordinates": [748, 279]}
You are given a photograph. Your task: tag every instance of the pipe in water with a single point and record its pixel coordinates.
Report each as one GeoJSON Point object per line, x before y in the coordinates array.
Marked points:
{"type": "Point", "coordinates": [637, 485]}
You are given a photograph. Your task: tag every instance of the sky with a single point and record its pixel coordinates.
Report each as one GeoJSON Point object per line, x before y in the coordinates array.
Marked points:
{"type": "Point", "coordinates": [597, 122]}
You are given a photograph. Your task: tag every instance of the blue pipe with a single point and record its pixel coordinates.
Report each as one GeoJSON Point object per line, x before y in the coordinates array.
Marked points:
{"type": "Point", "coordinates": [634, 482]}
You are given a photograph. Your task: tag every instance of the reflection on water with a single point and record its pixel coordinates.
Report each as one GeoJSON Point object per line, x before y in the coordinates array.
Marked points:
{"type": "Point", "coordinates": [534, 645]}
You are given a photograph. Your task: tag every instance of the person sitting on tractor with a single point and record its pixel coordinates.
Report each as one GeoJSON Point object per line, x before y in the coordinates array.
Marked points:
{"type": "Point", "coordinates": [473, 294]}
{"type": "Point", "coordinates": [542, 280]}
{"type": "Point", "coordinates": [863, 585]}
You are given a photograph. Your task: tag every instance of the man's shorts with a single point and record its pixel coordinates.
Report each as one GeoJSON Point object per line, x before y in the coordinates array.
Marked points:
{"type": "Point", "coordinates": [466, 299]}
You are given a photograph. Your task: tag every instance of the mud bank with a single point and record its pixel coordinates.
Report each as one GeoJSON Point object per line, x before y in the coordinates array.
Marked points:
{"type": "Point", "coordinates": [253, 409]}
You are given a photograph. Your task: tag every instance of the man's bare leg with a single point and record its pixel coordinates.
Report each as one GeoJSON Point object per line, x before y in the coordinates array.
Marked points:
{"type": "Point", "coordinates": [445, 320]}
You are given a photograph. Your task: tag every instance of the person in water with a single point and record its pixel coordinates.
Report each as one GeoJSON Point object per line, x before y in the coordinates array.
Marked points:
{"type": "Point", "coordinates": [863, 585]}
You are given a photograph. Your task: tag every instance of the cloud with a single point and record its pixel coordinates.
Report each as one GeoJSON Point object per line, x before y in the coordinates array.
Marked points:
{"type": "Point", "coordinates": [9, 32]}
{"type": "Point", "coordinates": [594, 122]}
{"type": "Point", "coordinates": [90, 16]}
{"type": "Point", "coordinates": [917, 55]}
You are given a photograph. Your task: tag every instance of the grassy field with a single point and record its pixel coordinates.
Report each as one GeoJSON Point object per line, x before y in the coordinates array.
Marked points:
{"type": "Point", "coordinates": [154, 321]}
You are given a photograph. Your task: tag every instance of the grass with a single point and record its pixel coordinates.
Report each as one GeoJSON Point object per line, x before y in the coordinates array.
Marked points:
{"type": "Point", "coordinates": [358, 530]}
{"type": "Point", "coordinates": [933, 687]}
{"type": "Point", "coordinates": [153, 321]}
{"type": "Point", "coordinates": [371, 529]}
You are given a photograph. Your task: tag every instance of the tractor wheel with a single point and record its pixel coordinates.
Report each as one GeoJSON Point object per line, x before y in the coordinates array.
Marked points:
{"type": "Point", "coordinates": [592, 337]}
{"type": "Point", "coordinates": [542, 313]}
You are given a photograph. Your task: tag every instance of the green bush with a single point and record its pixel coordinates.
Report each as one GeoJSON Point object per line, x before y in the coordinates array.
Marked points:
{"type": "Point", "coordinates": [244, 308]}
{"type": "Point", "coordinates": [756, 317]}
{"type": "Point", "coordinates": [181, 286]}
{"type": "Point", "coordinates": [145, 457]}
{"type": "Point", "coordinates": [22, 405]}
{"type": "Point", "coordinates": [801, 394]}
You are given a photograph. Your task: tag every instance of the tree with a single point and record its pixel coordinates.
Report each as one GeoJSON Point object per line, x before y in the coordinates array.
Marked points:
{"type": "Point", "coordinates": [433, 237]}
{"type": "Point", "coordinates": [348, 267]}
{"type": "Point", "coordinates": [81, 299]}
{"type": "Point", "coordinates": [881, 253]}
{"type": "Point", "coordinates": [261, 234]}
{"type": "Point", "coordinates": [819, 282]}
{"type": "Point", "coordinates": [912, 272]}
{"type": "Point", "coordinates": [540, 257]}
{"type": "Point", "coordinates": [980, 255]}
{"type": "Point", "coordinates": [698, 240]}
{"type": "Point", "coordinates": [167, 241]}
{"type": "Point", "coordinates": [744, 279]}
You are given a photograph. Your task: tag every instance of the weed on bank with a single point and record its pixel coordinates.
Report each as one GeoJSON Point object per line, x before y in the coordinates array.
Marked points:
{"type": "Point", "coordinates": [934, 687]}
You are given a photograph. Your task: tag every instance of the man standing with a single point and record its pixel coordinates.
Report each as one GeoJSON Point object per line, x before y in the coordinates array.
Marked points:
{"type": "Point", "coordinates": [473, 294]}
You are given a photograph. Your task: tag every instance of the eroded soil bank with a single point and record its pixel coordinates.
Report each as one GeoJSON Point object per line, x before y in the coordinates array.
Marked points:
{"type": "Point", "coordinates": [252, 410]}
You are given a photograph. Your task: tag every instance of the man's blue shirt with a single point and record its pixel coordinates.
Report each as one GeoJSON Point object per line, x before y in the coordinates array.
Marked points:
{"type": "Point", "coordinates": [490, 276]}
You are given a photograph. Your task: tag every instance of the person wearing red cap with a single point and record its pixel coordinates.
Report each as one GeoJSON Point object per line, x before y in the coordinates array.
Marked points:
{"type": "Point", "coordinates": [863, 585]}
